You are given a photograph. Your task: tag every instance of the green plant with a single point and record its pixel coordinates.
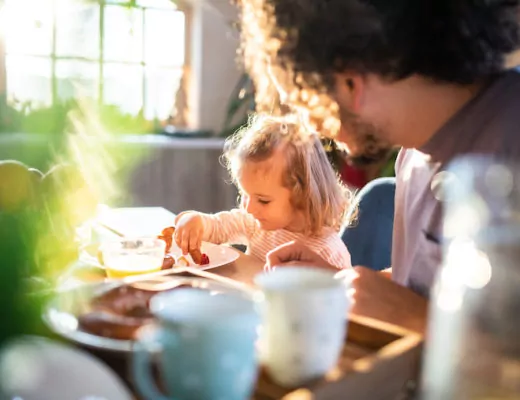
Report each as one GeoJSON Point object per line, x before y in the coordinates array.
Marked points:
{"type": "Point", "coordinates": [240, 105]}
{"type": "Point", "coordinates": [55, 119]}
{"type": "Point", "coordinates": [116, 121]}
{"type": "Point", "coordinates": [389, 168]}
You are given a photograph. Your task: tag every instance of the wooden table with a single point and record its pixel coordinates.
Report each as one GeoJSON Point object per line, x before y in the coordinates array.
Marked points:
{"type": "Point", "coordinates": [375, 295]}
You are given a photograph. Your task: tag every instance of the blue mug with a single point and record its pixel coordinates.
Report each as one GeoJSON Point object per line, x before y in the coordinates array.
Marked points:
{"type": "Point", "coordinates": [204, 343]}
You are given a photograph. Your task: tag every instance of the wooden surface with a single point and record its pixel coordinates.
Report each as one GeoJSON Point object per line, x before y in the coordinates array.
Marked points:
{"type": "Point", "coordinates": [375, 296]}
{"type": "Point", "coordinates": [379, 361]}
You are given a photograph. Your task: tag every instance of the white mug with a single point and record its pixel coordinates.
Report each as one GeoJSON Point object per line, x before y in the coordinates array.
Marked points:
{"type": "Point", "coordinates": [304, 322]}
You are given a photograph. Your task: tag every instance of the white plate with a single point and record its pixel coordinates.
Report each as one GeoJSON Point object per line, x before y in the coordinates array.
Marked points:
{"type": "Point", "coordinates": [61, 313]}
{"type": "Point", "coordinates": [219, 255]}
{"type": "Point", "coordinates": [49, 370]}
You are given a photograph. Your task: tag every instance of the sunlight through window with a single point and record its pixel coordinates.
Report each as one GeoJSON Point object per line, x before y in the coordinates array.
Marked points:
{"type": "Point", "coordinates": [130, 55]}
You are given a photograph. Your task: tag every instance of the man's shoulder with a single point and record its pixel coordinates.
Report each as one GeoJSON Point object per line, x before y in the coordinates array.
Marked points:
{"type": "Point", "coordinates": [498, 119]}
{"type": "Point", "coordinates": [408, 158]}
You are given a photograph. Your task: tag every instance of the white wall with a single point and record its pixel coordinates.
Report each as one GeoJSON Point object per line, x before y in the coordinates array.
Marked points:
{"type": "Point", "coordinates": [214, 44]}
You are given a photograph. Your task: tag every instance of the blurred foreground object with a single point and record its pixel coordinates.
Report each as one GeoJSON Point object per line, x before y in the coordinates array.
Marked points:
{"type": "Point", "coordinates": [33, 368]}
{"type": "Point", "coordinates": [18, 185]}
{"type": "Point", "coordinates": [474, 335]}
{"type": "Point", "coordinates": [39, 215]}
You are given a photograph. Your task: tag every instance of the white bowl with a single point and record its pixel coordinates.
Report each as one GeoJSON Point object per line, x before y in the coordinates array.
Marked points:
{"type": "Point", "coordinates": [33, 368]}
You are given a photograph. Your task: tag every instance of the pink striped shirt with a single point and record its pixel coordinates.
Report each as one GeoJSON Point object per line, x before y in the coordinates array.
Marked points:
{"type": "Point", "coordinates": [239, 227]}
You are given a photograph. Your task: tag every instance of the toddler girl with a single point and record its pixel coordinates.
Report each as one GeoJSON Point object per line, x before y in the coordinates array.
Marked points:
{"type": "Point", "coordinates": [288, 191]}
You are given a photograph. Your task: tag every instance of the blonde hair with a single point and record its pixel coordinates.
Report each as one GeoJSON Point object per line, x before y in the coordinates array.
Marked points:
{"type": "Point", "coordinates": [316, 189]}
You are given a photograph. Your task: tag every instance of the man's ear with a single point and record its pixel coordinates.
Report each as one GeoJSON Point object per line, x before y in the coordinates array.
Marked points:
{"type": "Point", "coordinates": [349, 91]}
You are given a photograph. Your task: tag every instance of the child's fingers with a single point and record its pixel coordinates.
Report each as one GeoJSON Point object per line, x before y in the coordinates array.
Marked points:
{"type": "Point", "coordinates": [185, 242]}
{"type": "Point", "coordinates": [177, 236]}
{"type": "Point", "coordinates": [194, 242]}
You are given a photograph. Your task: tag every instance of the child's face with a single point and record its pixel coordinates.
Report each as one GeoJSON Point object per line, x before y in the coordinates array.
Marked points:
{"type": "Point", "coordinates": [265, 197]}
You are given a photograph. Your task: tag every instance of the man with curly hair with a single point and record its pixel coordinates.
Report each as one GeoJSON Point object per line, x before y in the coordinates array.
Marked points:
{"type": "Point", "coordinates": [427, 76]}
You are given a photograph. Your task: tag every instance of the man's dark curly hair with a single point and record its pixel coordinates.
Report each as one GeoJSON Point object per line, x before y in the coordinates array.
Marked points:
{"type": "Point", "coordinates": [454, 41]}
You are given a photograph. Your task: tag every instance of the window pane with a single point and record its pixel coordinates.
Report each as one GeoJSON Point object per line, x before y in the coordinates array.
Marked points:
{"type": "Point", "coordinates": [123, 34]}
{"type": "Point", "coordinates": [28, 26]}
{"type": "Point", "coordinates": [164, 37]}
{"type": "Point", "coordinates": [123, 86]}
{"type": "Point", "coordinates": [29, 79]}
{"type": "Point", "coordinates": [77, 29]}
{"type": "Point", "coordinates": [166, 4]}
{"type": "Point", "coordinates": [77, 79]}
{"type": "Point", "coordinates": [161, 88]}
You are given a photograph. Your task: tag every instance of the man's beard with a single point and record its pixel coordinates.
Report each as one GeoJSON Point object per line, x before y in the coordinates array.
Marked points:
{"type": "Point", "coordinates": [374, 152]}
{"type": "Point", "coordinates": [364, 142]}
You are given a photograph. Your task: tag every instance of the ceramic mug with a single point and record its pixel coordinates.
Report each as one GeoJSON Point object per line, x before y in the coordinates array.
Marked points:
{"type": "Point", "coordinates": [304, 316]}
{"type": "Point", "coordinates": [205, 345]}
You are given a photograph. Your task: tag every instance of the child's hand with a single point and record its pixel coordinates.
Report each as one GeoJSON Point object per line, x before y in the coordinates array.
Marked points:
{"type": "Point", "coordinates": [189, 229]}
{"type": "Point", "coordinates": [294, 253]}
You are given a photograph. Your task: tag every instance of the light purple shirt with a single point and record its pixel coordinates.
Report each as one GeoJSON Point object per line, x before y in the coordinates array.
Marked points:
{"type": "Point", "coordinates": [488, 124]}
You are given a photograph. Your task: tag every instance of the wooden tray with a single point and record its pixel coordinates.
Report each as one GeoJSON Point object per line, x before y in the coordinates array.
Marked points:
{"type": "Point", "coordinates": [379, 361]}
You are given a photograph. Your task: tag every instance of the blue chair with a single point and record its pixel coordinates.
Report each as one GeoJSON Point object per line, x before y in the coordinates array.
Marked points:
{"type": "Point", "coordinates": [369, 237]}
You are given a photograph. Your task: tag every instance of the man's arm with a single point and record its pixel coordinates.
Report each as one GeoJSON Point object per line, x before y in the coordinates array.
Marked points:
{"type": "Point", "coordinates": [387, 273]}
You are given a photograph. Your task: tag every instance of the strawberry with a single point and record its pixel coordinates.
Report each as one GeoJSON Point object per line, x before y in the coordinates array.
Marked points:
{"type": "Point", "coordinates": [204, 259]}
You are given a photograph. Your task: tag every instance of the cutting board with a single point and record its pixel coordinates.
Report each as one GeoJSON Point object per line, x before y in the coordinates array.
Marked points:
{"type": "Point", "coordinates": [136, 221]}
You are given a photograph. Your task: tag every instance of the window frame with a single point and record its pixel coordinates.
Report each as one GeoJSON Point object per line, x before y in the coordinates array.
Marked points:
{"type": "Point", "coordinates": [101, 60]}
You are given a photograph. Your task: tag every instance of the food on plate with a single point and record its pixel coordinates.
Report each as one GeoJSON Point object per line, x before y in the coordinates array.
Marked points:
{"type": "Point", "coordinates": [110, 325]}
{"type": "Point", "coordinates": [167, 236]}
{"type": "Point", "coordinates": [125, 300]}
{"type": "Point", "coordinates": [196, 255]}
{"type": "Point", "coordinates": [182, 261]}
{"type": "Point", "coordinates": [168, 262]}
{"type": "Point", "coordinates": [119, 312]}
{"type": "Point", "coordinates": [204, 260]}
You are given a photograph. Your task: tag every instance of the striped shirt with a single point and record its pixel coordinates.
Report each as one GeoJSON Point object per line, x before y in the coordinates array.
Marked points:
{"type": "Point", "coordinates": [239, 227]}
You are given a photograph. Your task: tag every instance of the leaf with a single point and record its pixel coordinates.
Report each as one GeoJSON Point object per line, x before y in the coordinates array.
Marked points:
{"type": "Point", "coordinates": [241, 103]}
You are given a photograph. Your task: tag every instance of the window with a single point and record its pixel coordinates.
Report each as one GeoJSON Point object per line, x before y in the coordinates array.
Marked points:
{"type": "Point", "coordinates": [124, 53]}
